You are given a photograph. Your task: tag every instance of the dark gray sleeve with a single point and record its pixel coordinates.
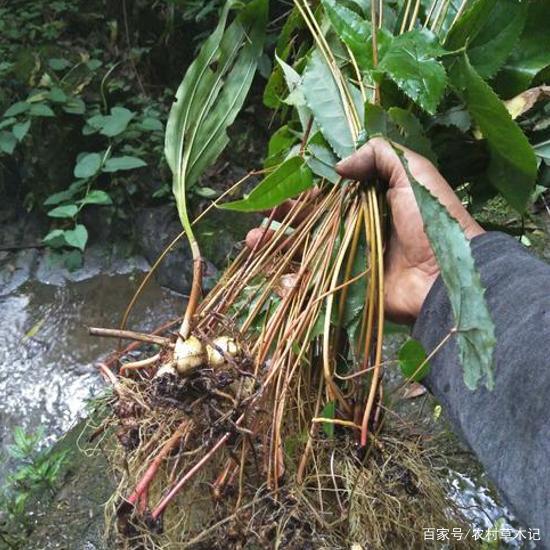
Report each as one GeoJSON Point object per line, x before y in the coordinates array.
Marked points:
{"type": "Point", "coordinates": [507, 428]}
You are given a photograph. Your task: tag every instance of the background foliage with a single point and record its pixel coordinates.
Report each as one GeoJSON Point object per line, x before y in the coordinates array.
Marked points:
{"type": "Point", "coordinates": [86, 91]}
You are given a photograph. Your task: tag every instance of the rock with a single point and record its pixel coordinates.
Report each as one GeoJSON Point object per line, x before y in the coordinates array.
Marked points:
{"type": "Point", "coordinates": [73, 518]}
{"type": "Point", "coordinates": [218, 234]}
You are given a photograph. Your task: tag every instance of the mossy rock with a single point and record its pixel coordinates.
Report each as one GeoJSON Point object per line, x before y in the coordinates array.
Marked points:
{"type": "Point", "coordinates": [73, 517]}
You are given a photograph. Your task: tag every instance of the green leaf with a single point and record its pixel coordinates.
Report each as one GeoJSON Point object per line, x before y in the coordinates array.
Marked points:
{"type": "Point", "coordinates": [288, 180]}
{"type": "Point", "coordinates": [65, 211]}
{"type": "Point", "coordinates": [513, 166]}
{"type": "Point", "coordinates": [205, 192]}
{"type": "Point", "coordinates": [279, 144]}
{"type": "Point", "coordinates": [210, 97]}
{"type": "Point", "coordinates": [77, 237]}
{"type": "Point", "coordinates": [411, 63]}
{"type": "Point", "coordinates": [59, 197]}
{"type": "Point", "coordinates": [400, 126]}
{"type": "Point", "coordinates": [412, 133]}
{"type": "Point", "coordinates": [88, 165]}
{"type": "Point", "coordinates": [7, 142]}
{"type": "Point", "coordinates": [321, 159]}
{"type": "Point", "coordinates": [411, 356]}
{"type": "Point", "coordinates": [329, 412]}
{"type": "Point", "coordinates": [354, 31]}
{"type": "Point", "coordinates": [469, 24]}
{"type": "Point", "coordinates": [355, 294]}
{"type": "Point", "coordinates": [530, 55]}
{"type": "Point", "coordinates": [57, 95]}
{"type": "Point", "coordinates": [20, 130]}
{"type": "Point", "coordinates": [324, 100]}
{"type": "Point", "coordinates": [115, 164]}
{"type": "Point", "coordinates": [115, 123]}
{"type": "Point", "coordinates": [75, 106]}
{"type": "Point", "coordinates": [39, 109]}
{"type": "Point", "coordinates": [295, 97]}
{"type": "Point", "coordinates": [151, 124]}
{"type": "Point", "coordinates": [7, 122]}
{"type": "Point", "coordinates": [97, 197]}
{"type": "Point", "coordinates": [59, 63]}
{"type": "Point", "coordinates": [498, 38]}
{"type": "Point", "coordinates": [17, 109]}
{"type": "Point", "coordinates": [73, 260]}
{"type": "Point", "coordinates": [55, 238]}
{"type": "Point", "coordinates": [475, 332]}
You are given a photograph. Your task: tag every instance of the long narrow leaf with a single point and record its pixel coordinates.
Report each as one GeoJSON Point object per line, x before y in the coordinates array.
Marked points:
{"type": "Point", "coordinates": [513, 166]}
{"type": "Point", "coordinates": [475, 331]}
{"type": "Point", "coordinates": [325, 102]}
{"type": "Point", "coordinates": [287, 181]}
{"type": "Point", "coordinates": [211, 95]}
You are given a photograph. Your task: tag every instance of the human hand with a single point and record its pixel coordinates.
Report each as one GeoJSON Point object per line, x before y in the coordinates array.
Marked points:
{"type": "Point", "coordinates": [410, 265]}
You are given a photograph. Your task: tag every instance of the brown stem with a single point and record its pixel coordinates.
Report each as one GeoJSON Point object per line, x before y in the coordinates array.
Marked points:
{"type": "Point", "coordinates": [136, 365]}
{"type": "Point", "coordinates": [129, 335]}
{"type": "Point", "coordinates": [194, 296]}
{"type": "Point", "coordinates": [183, 480]}
{"type": "Point", "coordinates": [151, 471]}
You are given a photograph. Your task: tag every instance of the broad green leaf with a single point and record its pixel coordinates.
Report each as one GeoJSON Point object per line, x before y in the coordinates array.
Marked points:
{"type": "Point", "coordinates": [530, 55]}
{"type": "Point", "coordinates": [412, 360]}
{"type": "Point", "coordinates": [20, 130]}
{"type": "Point", "coordinates": [88, 165]}
{"type": "Point", "coordinates": [7, 122]}
{"type": "Point", "coordinates": [59, 63]}
{"type": "Point", "coordinates": [399, 125]}
{"type": "Point", "coordinates": [55, 238]}
{"type": "Point", "coordinates": [115, 164]}
{"type": "Point", "coordinates": [498, 38]}
{"type": "Point", "coordinates": [97, 197]}
{"type": "Point", "coordinates": [279, 144]}
{"type": "Point", "coordinates": [65, 211]}
{"type": "Point", "coordinates": [59, 197]}
{"type": "Point", "coordinates": [57, 95]}
{"type": "Point", "coordinates": [287, 181]}
{"type": "Point", "coordinates": [411, 62]}
{"type": "Point", "coordinates": [469, 24]}
{"type": "Point", "coordinates": [354, 31]}
{"type": "Point", "coordinates": [39, 109]}
{"type": "Point", "coordinates": [412, 133]}
{"type": "Point", "coordinates": [152, 124]}
{"type": "Point", "coordinates": [115, 123]}
{"type": "Point", "coordinates": [73, 260]}
{"type": "Point", "coordinates": [321, 159]}
{"type": "Point", "coordinates": [77, 237]}
{"type": "Point", "coordinates": [475, 332]}
{"type": "Point", "coordinates": [7, 142]}
{"type": "Point", "coordinates": [513, 166]}
{"type": "Point", "coordinates": [17, 109]}
{"type": "Point", "coordinates": [324, 100]}
{"type": "Point", "coordinates": [329, 412]}
{"type": "Point", "coordinates": [210, 97]}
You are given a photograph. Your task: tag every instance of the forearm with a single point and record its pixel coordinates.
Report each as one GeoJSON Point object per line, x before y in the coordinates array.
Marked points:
{"type": "Point", "coordinates": [508, 428]}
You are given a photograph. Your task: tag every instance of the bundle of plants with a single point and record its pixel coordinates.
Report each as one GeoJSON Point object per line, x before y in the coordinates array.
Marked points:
{"type": "Point", "coordinates": [260, 418]}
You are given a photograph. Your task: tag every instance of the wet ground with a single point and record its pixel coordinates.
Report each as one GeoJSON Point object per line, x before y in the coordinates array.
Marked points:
{"type": "Point", "coordinates": [46, 355]}
{"type": "Point", "coordinates": [47, 359]}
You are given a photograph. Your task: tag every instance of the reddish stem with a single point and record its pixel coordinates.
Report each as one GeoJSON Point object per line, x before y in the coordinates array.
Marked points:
{"type": "Point", "coordinates": [186, 477]}
{"type": "Point", "coordinates": [151, 471]}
